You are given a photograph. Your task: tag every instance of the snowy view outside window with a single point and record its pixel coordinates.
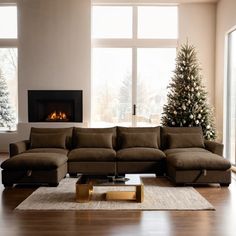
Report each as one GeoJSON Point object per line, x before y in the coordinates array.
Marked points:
{"type": "Point", "coordinates": [112, 86]}
{"type": "Point", "coordinates": [131, 64]}
{"type": "Point", "coordinates": [155, 66]}
{"type": "Point", "coordinates": [8, 68]}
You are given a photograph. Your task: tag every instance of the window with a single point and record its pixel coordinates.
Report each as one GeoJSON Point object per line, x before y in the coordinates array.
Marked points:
{"type": "Point", "coordinates": [112, 91]}
{"type": "Point", "coordinates": [154, 67]}
{"type": "Point", "coordinates": [157, 22]}
{"type": "Point", "coordinates": [231, 99]}
{"type": "Point", "coordinates": [8, 67]}
{"type": "Point", "coordinates": [112, 22]}
{"type": "Point", "coordinates": [133, 57]}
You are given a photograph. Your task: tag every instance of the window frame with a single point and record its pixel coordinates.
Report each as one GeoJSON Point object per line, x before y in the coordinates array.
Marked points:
{"type": "Point", "coordinates": [11, 43]}
{"type": "Point", "coordinates": [227, 97]}
{"type": "Point", "coordinates": [134, 43]}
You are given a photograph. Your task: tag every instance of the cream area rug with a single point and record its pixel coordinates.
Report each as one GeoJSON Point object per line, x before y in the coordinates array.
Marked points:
{"type": "Point", "coordinates": [158, 195]}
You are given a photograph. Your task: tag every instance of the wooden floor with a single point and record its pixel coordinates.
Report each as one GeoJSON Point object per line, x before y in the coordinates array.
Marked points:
{"type": "Point", "coordinates": [201, 223]}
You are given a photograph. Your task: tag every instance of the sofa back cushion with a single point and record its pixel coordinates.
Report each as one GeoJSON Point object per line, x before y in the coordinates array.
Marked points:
{"type": "Point", "coordinates": [96, 131]}
{"type": "Point", "coordinates": [66, 131]}
{"type": "Point", "coordinates": [165, 131]}
{"type": "Point", "coordinates": [48, 140]}
{"type": "Point", "coordinates": [146, 139]}
{"type": "Point", "coordinates": [185, 140]}
{"type": "Point", "coordinates": [139, 133]}
{"type": "Point", "coordinates": [94, 140]}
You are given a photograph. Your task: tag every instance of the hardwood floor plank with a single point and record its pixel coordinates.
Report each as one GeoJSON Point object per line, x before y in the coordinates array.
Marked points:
{"type": "Point", "coordinates": [116, 223]}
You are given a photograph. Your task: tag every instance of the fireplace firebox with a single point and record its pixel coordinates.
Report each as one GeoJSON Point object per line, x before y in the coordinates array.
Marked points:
{"type": "Point", "coordinates": [55, 106]}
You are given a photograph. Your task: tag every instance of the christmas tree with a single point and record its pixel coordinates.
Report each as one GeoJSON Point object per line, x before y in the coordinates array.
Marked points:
{"type": "Point", "coordinates": [187, 99]}
{"type": "Point", "coordinates": [7, 115]}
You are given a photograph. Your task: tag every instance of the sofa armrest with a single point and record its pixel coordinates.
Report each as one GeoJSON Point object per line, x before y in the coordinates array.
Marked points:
{"type": "Point", "coordinates": [214, 147]}
{"type": "Point", "coordinates": [18, 147]}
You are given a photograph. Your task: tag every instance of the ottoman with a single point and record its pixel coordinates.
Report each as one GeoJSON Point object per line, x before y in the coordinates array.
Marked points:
{"type": "Point", "coordinates": [197, 165]}
{"type": "Point", "coordinates": [34, 168]}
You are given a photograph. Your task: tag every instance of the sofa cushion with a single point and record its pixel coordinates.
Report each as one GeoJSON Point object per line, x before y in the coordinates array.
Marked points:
{"type": "Point", "coordinates": [50, 140]}
{"type": "Point", "coordinates": [94, 140]}
{"type": "Point", "coordinates": [67, 131]}
{"type": "Point", "coordinates": [196, 160]}
{"type": "Point", "coordinates": [135, 130]}
{"type": "Point", "coordinates": [146, 139]}
{"type": "Point", "coordinates": [185, 140]}
{"type": "Point", "coordinates": [92, 154]}
{"type": "Point", "coordinates": [35, 161]}
{"type": "Point", "coordinates": [92, 131]}
{"type": "Point", "coordinates": [139, 154]}
{"type": "Point", "coordinates": [177, 130]}
{"type": "Point", "coordinates": [177, 150]}
{"type": "Point", "coordinates": [48, 150]}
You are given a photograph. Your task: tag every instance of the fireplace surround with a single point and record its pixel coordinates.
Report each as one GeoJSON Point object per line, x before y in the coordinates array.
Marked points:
{"type": "Point", "coordinates": [55, 106]}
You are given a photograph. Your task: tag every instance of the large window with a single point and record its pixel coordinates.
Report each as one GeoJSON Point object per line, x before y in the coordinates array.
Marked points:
{"type": "Point", "coordinates": [231, 99]}
{"type": "Point", "coordinates": [133, 56]}
{"type": "Point", "coordinates": [8, 67]}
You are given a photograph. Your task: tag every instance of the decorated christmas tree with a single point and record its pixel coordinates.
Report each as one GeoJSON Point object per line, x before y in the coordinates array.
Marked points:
{"type": "Point", "coordinates": [187, 104]}
{"type": "Point", "coordinates": [7, 115]}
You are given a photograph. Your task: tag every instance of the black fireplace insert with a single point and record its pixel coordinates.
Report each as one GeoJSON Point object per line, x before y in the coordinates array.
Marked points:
{"type": "Point", "coordinates": [55, 105]}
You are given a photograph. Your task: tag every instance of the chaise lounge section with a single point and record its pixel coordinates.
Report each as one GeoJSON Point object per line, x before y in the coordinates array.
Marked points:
{"type": "Point", "coordinates": [40, 160]}
{"type": "Point", "coordinates": [190, 159]}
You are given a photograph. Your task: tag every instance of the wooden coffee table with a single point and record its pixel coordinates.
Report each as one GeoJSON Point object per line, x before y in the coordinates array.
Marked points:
{"type": "Point", "coordinates": [85, 184]}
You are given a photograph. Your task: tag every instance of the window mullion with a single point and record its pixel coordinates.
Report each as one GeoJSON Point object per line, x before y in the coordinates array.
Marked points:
{"type": "Point", "coordinates": [134, 83]}
{"type": "Point", "coordinates": [134, 64]}
{"type": "Point", "coordinates": [135, 23]}
{"type": "Point", "coordinates": [8, 43]}
{"type": "Point", "coordinates": [139, 43]}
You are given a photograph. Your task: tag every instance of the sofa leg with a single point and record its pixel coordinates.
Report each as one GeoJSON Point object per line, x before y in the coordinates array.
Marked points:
{"type": "Point", "coordinates": [224, 184]}
{"type": "Point", "coordinates": [158, 175]}
{"type": "Point", "coordinates": [53, 185]}
{"type": "Point", "coordinates": [73, 175]}
{"type": "Point", "coordinates": [8, 185]}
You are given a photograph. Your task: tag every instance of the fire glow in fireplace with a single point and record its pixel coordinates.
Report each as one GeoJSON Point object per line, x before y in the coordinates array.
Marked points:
{"type": "Point", "coordinates": [58, 116]}
{"type": "Point", "coordinates": [55, 106]}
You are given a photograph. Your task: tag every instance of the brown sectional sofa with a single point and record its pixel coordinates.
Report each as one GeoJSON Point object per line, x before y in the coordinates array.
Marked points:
{"type": "Point", "coordinates": [179, 153]}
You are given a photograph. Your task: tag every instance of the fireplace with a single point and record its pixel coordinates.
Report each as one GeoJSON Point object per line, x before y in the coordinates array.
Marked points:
{"type": "Point", "coordinates": [55, 106]}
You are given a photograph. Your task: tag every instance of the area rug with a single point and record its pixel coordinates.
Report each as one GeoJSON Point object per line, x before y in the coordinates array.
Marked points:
{"type": "Point", "coordinates": [157, 196]}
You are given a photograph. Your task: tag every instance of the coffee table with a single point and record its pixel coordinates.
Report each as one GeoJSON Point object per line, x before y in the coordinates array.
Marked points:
{"type": "Point", "coordinates": [85, 184]}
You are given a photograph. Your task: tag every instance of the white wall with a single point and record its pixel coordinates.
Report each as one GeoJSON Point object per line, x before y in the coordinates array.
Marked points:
{"type": "Point", "coordinates": [226, 19]}
{"type": "Point", "coordinates": [197, 25]}
{"type": "Point", "coordinates": [54, 50]}
{"type": "Point", "coordinates": [54, 53]}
